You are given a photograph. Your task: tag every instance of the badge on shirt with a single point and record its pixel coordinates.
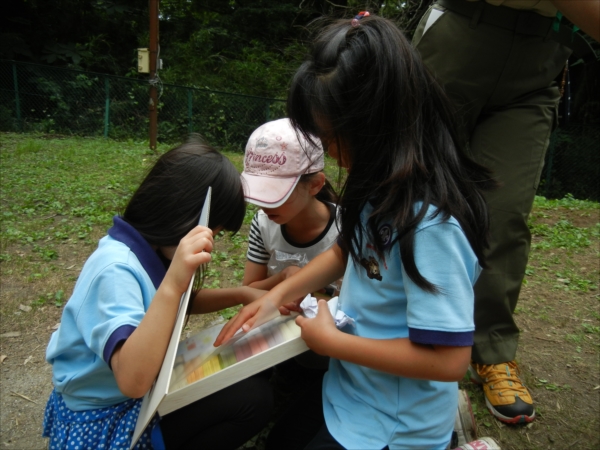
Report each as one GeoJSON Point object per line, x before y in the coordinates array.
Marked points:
{"type": "Point", "coordinates": [372, 267]}
{"type": "Point", "coordinates": [371, 264]}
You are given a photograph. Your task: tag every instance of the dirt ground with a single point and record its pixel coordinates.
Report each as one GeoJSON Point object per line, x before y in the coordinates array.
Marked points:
{"type": "Point", "coordinates": [558, 316]}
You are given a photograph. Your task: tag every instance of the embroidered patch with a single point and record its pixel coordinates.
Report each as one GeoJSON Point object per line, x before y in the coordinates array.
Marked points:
{"type": "Point", "coordinates": [372, 267]}
{"type": "Point", "coordinates": [262, 143]}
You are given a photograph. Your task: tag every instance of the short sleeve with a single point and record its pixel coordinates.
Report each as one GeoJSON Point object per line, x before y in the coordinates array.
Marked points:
{"type": "Point", "coordinates": [113, 303]}
{"type": "Point", "coordinates": [256, 247]}
{"type": "Point", "coordinates": [445, 258]}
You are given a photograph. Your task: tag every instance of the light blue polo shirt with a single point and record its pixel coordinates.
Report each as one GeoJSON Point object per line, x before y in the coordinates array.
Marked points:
{"type": "Point", "coordinates": [111, 296]}
{"type": "Point", "coordinates": [369, 409]}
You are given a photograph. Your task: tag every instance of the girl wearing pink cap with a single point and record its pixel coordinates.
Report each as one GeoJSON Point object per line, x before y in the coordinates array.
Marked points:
{"type": "Point", "coordinates": [283, 174]}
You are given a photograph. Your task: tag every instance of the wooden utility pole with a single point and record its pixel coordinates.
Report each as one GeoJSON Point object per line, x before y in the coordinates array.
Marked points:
{"type": "Point", "coordinates": [153, 102]}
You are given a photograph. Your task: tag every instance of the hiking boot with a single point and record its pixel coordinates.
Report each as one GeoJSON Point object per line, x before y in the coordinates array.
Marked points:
{"type": "Point", "coordinates": [506, 396]}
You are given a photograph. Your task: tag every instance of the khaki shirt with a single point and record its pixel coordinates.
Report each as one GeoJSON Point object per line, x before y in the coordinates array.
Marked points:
{"type": "Point", "coordinates": [543, 7]}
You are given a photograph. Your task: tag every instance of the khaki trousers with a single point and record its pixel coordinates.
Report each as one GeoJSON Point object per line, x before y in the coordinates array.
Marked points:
{"type": "Point", "coordinates": [502, 84]}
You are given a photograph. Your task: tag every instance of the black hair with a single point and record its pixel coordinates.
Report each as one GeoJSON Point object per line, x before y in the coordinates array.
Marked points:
{"type": "Point", "coordinates": [367, 88]}
{"type": "Point", "coordinates": [167, 204]}
{"type": "Point", "coordinates": [327, 192]}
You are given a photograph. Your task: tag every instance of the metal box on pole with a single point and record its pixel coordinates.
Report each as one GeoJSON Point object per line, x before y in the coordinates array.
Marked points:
{"type": "Point", "coordinates": [143, 60]}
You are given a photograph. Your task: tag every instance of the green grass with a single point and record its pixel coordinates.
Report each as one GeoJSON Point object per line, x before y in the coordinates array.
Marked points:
{"type": "Point", "coordinates": [564, 234]}
{"type": "Point", "coordinates": [56, 190]}
{"type": "Point", "coordinates": [569, 202]}
{"type": "Point", "coordinates": [59, 192]}
{"type": "Point", "coordinates": [556, 242]}
{"type": "Point", "coordinates": [59, 189]}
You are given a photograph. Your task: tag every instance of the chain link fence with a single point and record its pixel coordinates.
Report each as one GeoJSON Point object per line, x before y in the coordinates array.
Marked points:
{"type": "Point", "coordinates": [35, 98]}
{"type": "Point", "coordinates": [573, 163]}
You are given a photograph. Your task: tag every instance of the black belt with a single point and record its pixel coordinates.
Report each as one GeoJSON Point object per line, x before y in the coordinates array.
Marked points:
{"type": "Point", "coordinates": [520, 21]}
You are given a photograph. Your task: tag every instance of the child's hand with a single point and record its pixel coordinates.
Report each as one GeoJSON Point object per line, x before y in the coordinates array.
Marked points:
{"type": "Point", "coordinates": [250, 316]}
{"type": "Point", "coordinates": [292, 306]}
{"type": "Point", "coordinates": [250, 294]}
{"type": "Point", "coordinates": [193, 250]}
{"type": "Point", "coordinates": [318, 333]}
{"type": "Point", "coordinates": [288, 272]}
{"type": "Point", "coordinates": [295, 305]}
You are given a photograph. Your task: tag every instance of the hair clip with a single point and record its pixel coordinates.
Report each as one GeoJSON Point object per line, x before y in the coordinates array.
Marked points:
{"type": "Point", "coordinates": [355, 22]}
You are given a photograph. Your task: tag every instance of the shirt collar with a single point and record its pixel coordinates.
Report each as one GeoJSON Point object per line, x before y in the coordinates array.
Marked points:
{"type": "Point", "coordinates": [128, 235]}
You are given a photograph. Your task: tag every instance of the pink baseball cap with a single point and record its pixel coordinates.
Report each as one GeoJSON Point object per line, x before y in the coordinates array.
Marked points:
{"type": "Point", "coordinates": [276, 157]}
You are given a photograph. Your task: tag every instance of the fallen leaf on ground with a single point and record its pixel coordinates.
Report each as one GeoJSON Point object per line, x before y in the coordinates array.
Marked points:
{"type": "Point", "coordinates": [25, 308]}
{"type": "Point", "coordinates": [11, 334]}
{"type": "Point", "coordinates": [28, 359]}
{"type": "Point", "coordinates": [22, 396]}
{"type": "Point", "coordinates": [2, 358]}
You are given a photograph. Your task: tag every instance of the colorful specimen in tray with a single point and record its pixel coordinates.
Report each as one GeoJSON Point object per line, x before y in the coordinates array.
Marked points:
{"type": "Point", "coordinates": [189, 369]}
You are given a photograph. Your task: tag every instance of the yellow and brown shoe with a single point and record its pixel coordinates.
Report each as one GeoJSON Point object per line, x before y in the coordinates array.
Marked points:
{"type": "Point", "coordinates": [506, 396]}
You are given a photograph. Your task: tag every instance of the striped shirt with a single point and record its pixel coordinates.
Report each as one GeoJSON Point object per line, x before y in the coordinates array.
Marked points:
{"type": "Point", "coordinates": [266, 238]}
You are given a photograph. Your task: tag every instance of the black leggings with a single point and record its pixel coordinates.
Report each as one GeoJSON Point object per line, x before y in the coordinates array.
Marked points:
{"type": "Point", "coordinates": [325, 441]}
{"type": "Point", "coordinates": [224, 420]}
{"type": "Point", "coordinates": [302, 416]}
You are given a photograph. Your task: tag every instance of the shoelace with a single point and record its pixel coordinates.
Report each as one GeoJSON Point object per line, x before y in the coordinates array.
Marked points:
{"type": "Point", "coordinates": [501, 378]}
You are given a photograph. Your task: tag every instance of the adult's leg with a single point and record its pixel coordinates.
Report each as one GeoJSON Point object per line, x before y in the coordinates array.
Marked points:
{"type": "Point", "coordinates": [512, 142]}
{"type": "Point", "coordinates": [223, 420]}
{"type": "Point", "coordinates": [502, 85]}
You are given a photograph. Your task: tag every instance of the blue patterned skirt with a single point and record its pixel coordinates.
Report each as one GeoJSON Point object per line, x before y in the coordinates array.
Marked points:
{"type": "Point", "coordinates": [109, 428]}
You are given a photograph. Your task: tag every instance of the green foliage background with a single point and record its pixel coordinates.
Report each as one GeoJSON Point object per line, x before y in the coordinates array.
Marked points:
{"type": "Point", "coordinates": [247, 47]}
{"type": "Point", "coordinates": [244, 46]}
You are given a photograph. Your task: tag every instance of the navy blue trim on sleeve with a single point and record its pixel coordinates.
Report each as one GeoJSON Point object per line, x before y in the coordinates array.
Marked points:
{"type": "Point", "coordinates": [128, 235]}
{"type": "Point", "coordinates": [431, 337]}
{"type": "Point", "coordinates": [118, 336]}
